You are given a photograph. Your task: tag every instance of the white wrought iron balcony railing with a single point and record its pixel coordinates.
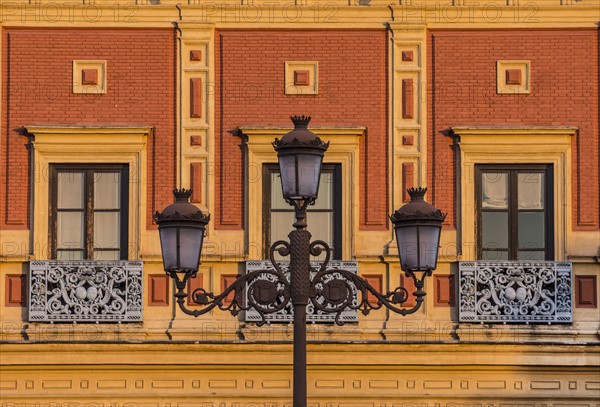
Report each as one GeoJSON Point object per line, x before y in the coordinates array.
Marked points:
{"type": "Point", "coordinates": [85, 291]}
{"type": "Point", "coordinates": [515, 292]}
{"type": "Point", "coordinates": [312, 314]}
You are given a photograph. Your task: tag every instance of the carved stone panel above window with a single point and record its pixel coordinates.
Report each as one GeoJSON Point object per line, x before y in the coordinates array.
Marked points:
{"type": "Point", "coordinates": [85, 291]}
{"type": "Point", "coordinates": [521, 292]}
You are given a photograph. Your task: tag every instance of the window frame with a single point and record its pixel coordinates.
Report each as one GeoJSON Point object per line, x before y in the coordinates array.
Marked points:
{"type": "Point", "coordinates": [89, 170]}
{"type": "Point", "coordinates": [336, 170]}
{"type": "Point", "coordinates": [512, 171]}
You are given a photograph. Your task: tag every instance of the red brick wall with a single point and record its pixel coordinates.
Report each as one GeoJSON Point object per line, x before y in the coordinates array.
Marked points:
{"type": "Point", "coordinates": [352, 92]}
{"type": "Point", "coordinates": [37, 89]}
{"type": "Point", "coordinates": [564, 91]}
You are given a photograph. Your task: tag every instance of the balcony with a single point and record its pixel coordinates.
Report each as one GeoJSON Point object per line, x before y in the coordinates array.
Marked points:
{"type": "Point", "coordinates": [85, 291]}
{"type": "Point", "coordinates": [286, 315]}
{"type": "Point", "coordinates": [515, 292]}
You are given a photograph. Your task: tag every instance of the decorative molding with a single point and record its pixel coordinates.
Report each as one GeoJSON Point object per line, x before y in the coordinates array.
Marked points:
{"type": "Point", "coordinates": [196, 97]}
{"type": "Point", "coordinates": [312, 315]}
{"type": "Point", "coordinates": [196, 182]}
{"type": "Point", "coordinates": [301, 78]}
{"type": "Point", "coordinates": [158, 290]}
{"type": "Point", "coordinates": [444, 290]}
{"type": "Point", "coordinates": [408, 96]}
{"type": "Point", "coordinates": [14, 291]}
{"type": "Point", "coordinates": [85, 291]}
{"type": "Point", "coordinates": [408, 180]}
{"type": "Point", "coordinates": [89, 77]}
{"type": "Point", "coordinates": [91, 145]}
{"type": "Point", "coordinates": [527, 292]}
{"type": "Point", "coordinates": [344, 150]}
{"type": "Point", "coordinates": [586, 292]}
{"type": "Point", "coordinates": [516, 145]}
{"type": "Point", "coordinates": [513, 77]}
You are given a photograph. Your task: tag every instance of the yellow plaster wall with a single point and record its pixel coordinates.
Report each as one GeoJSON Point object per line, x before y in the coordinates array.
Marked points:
{"type": "Point", "coordinates": [385, 359]}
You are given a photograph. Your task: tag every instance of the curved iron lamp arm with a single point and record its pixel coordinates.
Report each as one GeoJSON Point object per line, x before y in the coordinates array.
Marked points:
{"type": "Point", "coordinates": [268, 290]}
{"type": "Point", "coordinates": [332, 290]}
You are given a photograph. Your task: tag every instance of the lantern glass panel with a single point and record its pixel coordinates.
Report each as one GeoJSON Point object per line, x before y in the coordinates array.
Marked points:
{"type": "Point", "coordinates": [168, 243]}
{"type": "Point", "coordinates": [190, 242]}
{"type": "Point", "coordinates": [407, 240]}
{"type": "Point", "coordinates": [300, 175]}
{"type": "Point", "coordinates": [429, 237]}
{"type": "Point", "coordinates": [418, 246]}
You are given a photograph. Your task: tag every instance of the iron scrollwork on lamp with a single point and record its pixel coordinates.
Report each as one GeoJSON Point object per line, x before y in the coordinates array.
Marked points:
{"type": "Point", "coordinates": [331, 290]}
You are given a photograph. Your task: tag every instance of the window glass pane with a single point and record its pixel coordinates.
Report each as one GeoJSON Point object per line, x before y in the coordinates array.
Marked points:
{"type": "Point", "coordinates": [533, 255]}
{"type": "Point", "coordinates": [325, 198]}
{"type": "Point", "coordinates": [281, 226]}
{"type": "Point", "coordinates": [494, 229]}
{"type": "Point", "coordinates": [494, 255]}
{"type": "Point", "coordinates": [69, 255]}
{"type": "Point", "coordinates": [70, 190]}
{"type": "Point", "coordinates": [494, 190]}
{"type": "Point", "coordinates": [107, 188]}
{"type": "Point", "coordinates": [531, 230]}
{"type": "Point", "coordinates": [531, 190]}
{"type": "Point", "coordinates": [277, 201]}
{"type": "Point", "coordinates": [321, 226]}
{"type": "Point", "coordinates": [69, 230]}
{"type": "Point", "coordinates": [107, 255]}
{"type": "Point", "coordinates": [107, 230]}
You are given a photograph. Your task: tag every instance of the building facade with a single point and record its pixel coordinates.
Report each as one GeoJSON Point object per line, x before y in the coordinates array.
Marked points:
{"type": "Point", "coordinates": [107, 106]}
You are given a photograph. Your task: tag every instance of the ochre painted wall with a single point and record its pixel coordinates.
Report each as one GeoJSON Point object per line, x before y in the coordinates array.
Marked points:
{"type": "Point", "coordinates": [564, 92]}
{"type": "Point", "coordinates": [249, 90]}
{"type": "Point", "coordinates": [37, 77]}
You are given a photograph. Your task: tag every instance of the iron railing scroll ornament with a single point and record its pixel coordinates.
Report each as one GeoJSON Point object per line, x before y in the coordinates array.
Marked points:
{"type": "Point", "coordinates": [515, 292]}
{"type": "Point", "coordinates": [85, 291]}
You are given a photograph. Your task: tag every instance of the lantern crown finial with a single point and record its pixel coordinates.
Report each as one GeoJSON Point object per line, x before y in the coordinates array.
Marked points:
{"type": "Point", "coordinates": [182, 195]}
{"type": "Point", "coordinates": [417, 194]}
{"type": "Point", "coordinates": [300, 121]}
{"type": "Point", "coordinates": [417, 208]}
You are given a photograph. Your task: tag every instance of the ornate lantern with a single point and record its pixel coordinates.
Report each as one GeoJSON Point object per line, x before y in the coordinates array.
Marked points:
{"type": "Point", "coordinates": [181, 226]}
{"type": "Point", "coordinates": [418, 225]}
{"type": "Point", "coordinates": [300, 153]}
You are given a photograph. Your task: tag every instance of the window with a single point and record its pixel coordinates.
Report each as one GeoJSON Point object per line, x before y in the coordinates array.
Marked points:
{"type": "Point", "coordinates": [89, 208]}
{"type": "Point", "coordinates": [324, 217]}
{"type": "Point", "coordinates": [514, 212]}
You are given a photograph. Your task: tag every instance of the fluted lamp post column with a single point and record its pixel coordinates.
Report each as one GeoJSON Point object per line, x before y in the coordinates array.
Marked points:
{"type": "Point", "coordinates": [331, 290]}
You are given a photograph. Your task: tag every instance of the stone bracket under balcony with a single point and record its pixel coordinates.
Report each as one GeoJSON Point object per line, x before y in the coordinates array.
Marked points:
{"type": "Point", "coordinates": [515, 292]}
{"type": "Point", "coordinates": [286, 315]}
{"type": "Point", "coordinates": [85, 291]}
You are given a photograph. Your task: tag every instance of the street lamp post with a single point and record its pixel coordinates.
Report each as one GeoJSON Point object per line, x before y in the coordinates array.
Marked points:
{"type": "Point", "coordinates": [300, 153]}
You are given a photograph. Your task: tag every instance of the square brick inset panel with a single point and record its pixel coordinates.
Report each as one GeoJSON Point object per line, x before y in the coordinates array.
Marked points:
{"type": "Point", "coordinates": [408, 140]}
{"type": "Point", "coordinates": [89, 76]}
{"type": "Point", "coordinates": [407, 56]}
{"type": "Point", "coordinates": [195, 55]}
{"type": "Point", "coordinates": [513, 76]}
{"type": "Point", "coordinates": [302, 78]}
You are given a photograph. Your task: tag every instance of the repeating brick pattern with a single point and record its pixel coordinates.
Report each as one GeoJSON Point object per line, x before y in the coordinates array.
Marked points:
{"type": "Point", "coordinates": [564, 91]}
{"type": "Point", "coordinates": [37, 89]}
{"type": "Point", "coordinates": [250, 91]}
